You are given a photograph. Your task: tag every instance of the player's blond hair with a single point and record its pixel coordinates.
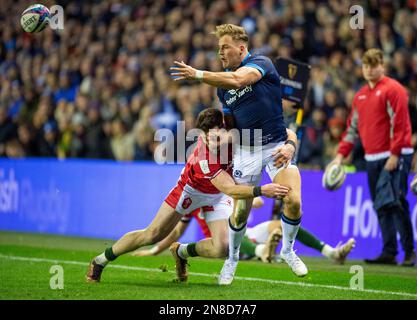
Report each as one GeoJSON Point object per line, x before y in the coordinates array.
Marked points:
{"type": "Point", "coordinates": [236, 32]}
{"type": "Point", "coordinates": [373, 57]}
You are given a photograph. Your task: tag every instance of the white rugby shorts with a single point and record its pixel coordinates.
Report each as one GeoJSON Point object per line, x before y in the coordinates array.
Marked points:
{"type": "Point", "coordinates": [248, 163]}
{"type": "Point", "coordinates": [213, 206]}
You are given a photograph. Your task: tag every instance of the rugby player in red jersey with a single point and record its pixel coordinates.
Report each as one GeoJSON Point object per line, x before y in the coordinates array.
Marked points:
{"type": "Point", "coordinates": [205, 183]}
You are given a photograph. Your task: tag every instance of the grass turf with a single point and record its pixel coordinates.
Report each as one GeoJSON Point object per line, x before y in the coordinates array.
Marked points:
{"type": "Point", "coordinates": [26, 259]}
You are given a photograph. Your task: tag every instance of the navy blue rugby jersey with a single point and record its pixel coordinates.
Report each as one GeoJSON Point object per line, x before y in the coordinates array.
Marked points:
{"type": "Point", "coordinates": [257, 106]}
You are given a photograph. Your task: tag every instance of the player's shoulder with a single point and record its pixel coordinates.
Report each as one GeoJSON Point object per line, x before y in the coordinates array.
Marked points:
{"type": "Point", "coordinates": [259, 59]}
{"type": "Point", "coordinates": [260, 62]}
{"type": "Point", "coordinates": [393, 84]}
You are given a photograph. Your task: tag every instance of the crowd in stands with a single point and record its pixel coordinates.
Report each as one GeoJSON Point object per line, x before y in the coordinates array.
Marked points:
{"type": "Point", "coordinates": [100, 88]}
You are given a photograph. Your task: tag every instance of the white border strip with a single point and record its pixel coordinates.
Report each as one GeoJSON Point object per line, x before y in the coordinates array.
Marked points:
{"type": "Point", "coordinates": [290, 283]}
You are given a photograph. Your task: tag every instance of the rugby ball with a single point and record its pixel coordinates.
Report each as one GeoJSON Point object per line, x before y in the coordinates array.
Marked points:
{"type": "Point", "coordinates": [333, 177]}
{"type": "Point", "coordinates": [35, 18]}
{"type": "Point", "coordinates": [413, 185]}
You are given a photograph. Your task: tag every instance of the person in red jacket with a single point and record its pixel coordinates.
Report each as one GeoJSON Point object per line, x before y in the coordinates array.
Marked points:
{"type": "Point", "coordinates": [380, 117]}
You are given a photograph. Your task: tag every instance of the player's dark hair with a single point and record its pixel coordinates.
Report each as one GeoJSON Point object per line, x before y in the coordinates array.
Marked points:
{"type": "Point", "coordinates": [209, 118]}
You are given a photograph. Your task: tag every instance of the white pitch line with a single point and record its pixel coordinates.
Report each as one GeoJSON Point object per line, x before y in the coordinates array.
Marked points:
{"type": "Point", "coordinates": [290, 283]}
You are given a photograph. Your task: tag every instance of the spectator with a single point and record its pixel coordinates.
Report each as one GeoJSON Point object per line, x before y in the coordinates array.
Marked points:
{"type": "Point", "coordinates": [310, 154]}
{"type": "Point", "coordinates": [94, 133]}
{"type": "Point", "coordinates": [8, 129]}
{"type": "Point", "coordinates": [121, 141]}
{"type": "Point", "coordinates": [78, 146]}
{"type": "Point", "coordinates": [26, 138]}
{"type": "Point", "coordinates": [48, 141]}
{"type": "Point", "coordinates": [331, 139]}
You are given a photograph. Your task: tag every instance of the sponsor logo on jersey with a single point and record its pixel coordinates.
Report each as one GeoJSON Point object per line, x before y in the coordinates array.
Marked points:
{"type": "Point", "coordinates": [204, 166]}
{"type": "Point", "coordinates": [236, 94]}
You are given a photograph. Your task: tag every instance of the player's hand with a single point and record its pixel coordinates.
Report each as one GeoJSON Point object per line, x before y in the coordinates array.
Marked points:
{"type": "Point", "coordinates": [337, 160]}
{"type": "Point", "coordinates": [274, 190]}
{"type": "Point", "coordinates": [283, 155]}
{"type": "Point", "coordinates": [392, 163]}
{"type": "Point", "coordinates": [183, 71]}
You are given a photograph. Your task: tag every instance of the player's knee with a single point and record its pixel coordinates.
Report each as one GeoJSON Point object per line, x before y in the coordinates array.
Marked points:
{"type": "Point", "coordinates": [221, 249]}
{"type": "Point", "coordinates": [294, 205]}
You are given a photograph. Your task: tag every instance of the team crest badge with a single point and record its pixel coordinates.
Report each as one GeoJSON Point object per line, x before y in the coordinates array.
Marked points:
{"type": "Point", "coordinates": [237, 174]}
{"type": "Point", "coordinates": [292, 70]}
{"type": "Point", "coordinates": [186, 203]}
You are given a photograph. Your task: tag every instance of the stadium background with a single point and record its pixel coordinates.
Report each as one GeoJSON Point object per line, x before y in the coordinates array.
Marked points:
{"type": "Point", "coordinates": [99, 89]}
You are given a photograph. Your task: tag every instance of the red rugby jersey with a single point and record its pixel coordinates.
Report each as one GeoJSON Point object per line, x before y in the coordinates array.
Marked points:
{"type": "Point", "coordinates": [380, 117]}
{"type": "Point", "coordinates": [202, 166]}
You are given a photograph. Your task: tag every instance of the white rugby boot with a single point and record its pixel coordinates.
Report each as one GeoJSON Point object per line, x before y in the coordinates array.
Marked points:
{"type": "Point", "coordinates": [228, 272]}
{"type": "Point", "coordinates": [297, 266]}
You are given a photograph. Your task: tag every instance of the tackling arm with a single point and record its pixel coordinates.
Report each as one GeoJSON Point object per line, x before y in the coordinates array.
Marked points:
{"type": "Point", "coordinates": [225, 183]}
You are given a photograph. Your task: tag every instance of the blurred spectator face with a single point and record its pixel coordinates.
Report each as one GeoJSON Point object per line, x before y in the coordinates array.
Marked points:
{"type": "Point", "coordinates": [14, 149]}
{"type": "Point", "coordinates": [63, 124]}
{"type": "Point", "coordinates": [49, 130]}
{"type": "Point", "coordinates": [144, 134]}
{"type": "Point", "coordinates": [319, 118]}
{"type": "Point", "coordinates": [336, 128]}
{"type": "Point", "coordinates": [230, 52]}
{"type": "Point", "coordinates": [400, 60]}
{"type": "Point", "coordinates": [78, 123]}
{"type": "Point", "coordinates": [330, 98]}
{"type": "Point", "coordinates": [107, 127]}
{"type": "Point", "coordinates": [129, 81]}
{"type": "Point", "coordinates": [93, 115]}
{"type": "Point", "coordinates": [81, 102]}
{"type": "Point", "coordinates": [24, 134]}
{"type": "Point", "coordinates": [340, 113]}
{"type": "Point", "coordinates": [117, 128]}
{"type": "Point", "coordinates": [29, 94]}
{"type": "Point", "coordinates": [51, 80]}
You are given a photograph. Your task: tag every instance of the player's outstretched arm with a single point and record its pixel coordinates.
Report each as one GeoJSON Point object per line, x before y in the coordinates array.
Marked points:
{"type": "Point", "coordinates": [242, 77]}
{"type": "Point", "coordinates": [225, 183]}
{"type": "Point", "coordinates": [165, 243]}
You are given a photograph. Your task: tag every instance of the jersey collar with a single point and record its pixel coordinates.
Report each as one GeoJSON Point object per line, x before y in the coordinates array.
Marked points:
{"type": "Point", "coordinates": [245, 59]}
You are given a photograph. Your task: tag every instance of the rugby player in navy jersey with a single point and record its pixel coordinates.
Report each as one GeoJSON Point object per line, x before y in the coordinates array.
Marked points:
{"type": "Point", "coordinates": [249, 91]}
